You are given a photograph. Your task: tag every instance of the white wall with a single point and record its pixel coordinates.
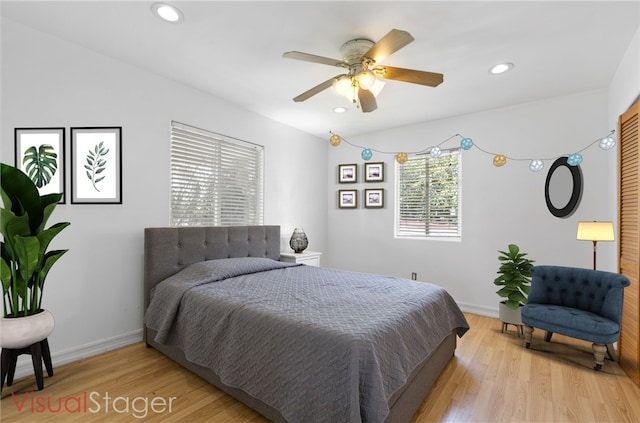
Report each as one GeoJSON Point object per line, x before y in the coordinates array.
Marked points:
{"type": "Point", "coordinates": [623, 92]}
{"type": "Point", "coordinates": [95, 291]}
{"type": "Point", "coordinates": [499, 205]}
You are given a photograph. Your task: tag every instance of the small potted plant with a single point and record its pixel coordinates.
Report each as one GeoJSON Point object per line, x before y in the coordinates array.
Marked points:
{"type": "Point", "coordinates": [514, 280]}
{"type": "Point", "coordinates": [25, 259]}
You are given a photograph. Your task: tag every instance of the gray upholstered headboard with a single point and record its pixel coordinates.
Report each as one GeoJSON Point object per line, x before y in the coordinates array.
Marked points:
{"type": "Point", "coordinates": [169, 250]}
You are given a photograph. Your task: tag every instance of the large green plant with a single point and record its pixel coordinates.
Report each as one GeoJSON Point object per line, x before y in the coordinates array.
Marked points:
{"type": "Point", "coordinates": [514, 276]}
{"type": "Point", "coordinates": [25, 259]}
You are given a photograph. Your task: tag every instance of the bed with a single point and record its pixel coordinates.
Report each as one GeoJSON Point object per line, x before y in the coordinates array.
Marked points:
{"type": "Point", "coordinates": [296, 343]}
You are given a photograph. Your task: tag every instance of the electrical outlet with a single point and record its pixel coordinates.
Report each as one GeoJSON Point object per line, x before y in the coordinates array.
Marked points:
{"type": "Point", "coordinates": [414, 276]}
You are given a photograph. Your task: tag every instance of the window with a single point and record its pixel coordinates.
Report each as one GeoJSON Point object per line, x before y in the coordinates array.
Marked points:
{"type": "Point", "coordinates": [215, 180]}
{"type": "Point", "coordinates": [428, 196]}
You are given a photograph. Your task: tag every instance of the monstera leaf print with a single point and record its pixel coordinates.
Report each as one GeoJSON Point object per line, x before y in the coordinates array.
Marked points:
{"type": "Point", "coordinates": [40, 164]}
{"type": "Point", "coordinates": [96, 164]}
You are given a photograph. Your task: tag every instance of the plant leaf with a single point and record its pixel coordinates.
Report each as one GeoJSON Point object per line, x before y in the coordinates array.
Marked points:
{"type": "Point", "coordinates": [40, 164]}
{"type": "Point", "coordinates": [97, 163]}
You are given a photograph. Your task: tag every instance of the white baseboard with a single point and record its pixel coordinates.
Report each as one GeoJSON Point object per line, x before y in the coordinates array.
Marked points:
{"type": "Point", "coordinates": [480, 310]}
{"type": "Point", "coordinates": [25, 366]}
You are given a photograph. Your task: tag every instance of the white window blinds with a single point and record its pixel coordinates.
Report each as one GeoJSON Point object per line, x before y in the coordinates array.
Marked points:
{"type": "Point", "coordinates": [215, 180]}
{"type": "Point", "coordinates": [428, 196]}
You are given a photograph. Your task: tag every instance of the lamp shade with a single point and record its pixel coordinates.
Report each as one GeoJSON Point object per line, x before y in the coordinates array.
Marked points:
{"type": "Point", "coordinates": [342, 85]}
{"type": "Point", "coordinates": [366, 79]}
{"type": "Point", "coordinates": [595, 231]}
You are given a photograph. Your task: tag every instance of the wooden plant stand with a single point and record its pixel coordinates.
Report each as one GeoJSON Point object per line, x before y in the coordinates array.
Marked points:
{"type": "Point", "coordinates": [39, 352]}
{"type": "Point", "coordinates": [519, 328]}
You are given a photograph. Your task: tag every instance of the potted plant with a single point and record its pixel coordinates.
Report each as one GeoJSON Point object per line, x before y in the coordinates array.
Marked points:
{"type": "Point", "coordinates": [515, 282]}
{"type": "Point", "coordinates": [25, 260]}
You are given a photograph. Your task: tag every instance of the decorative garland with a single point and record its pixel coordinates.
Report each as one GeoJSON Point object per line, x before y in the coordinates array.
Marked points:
{"type": "Point", "coordinates": [499, 160]}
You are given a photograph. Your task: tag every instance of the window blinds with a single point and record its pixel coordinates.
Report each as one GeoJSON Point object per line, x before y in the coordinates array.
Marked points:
{"type": "Point", "coordinates": [215, 180]}
{"type": "Point", "coordinates": [428, 192]}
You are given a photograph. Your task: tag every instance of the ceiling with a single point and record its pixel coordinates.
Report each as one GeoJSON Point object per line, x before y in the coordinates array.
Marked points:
{"type": "Point", "coordinates": [233, 50]}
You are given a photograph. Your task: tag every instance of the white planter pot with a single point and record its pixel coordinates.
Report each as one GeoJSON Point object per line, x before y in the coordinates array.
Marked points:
{"type": "Point", "coordinates": [509, 315]}
{"type": "Point", "coordinates": [20, 332]}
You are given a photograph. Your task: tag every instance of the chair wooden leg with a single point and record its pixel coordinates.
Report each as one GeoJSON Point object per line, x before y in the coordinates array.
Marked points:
{"type": "Point", "coordinates": [611, 352]}
{"type": "Point", "coordinates": [599, 350]}
{"type": "Point", "coordinates": [528, 334]}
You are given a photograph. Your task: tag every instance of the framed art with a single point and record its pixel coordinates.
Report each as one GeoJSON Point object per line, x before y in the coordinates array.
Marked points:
{"type": "Point", "coordinates": [374, 198]}
{"type": "Point", "coordinates": [348, 198]}
{"type": "Point", "coordinates": [348, 173]}
{"type": "Point", "coordinates": [374, 172]}
{"type": "Point", "coordinates": [40, 154]}
{"type": "Point", "coordinates": [96, 165]}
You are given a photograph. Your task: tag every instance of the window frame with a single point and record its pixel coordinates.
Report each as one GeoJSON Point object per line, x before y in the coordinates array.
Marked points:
{"type": "Point", "coordinates": [207, 188]}
{"type": "Point", "coordinates": [400, 230]}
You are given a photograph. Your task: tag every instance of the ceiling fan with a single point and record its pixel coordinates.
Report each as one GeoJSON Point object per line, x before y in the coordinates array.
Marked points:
{"type": "Point", "coordinates": [361, 58]}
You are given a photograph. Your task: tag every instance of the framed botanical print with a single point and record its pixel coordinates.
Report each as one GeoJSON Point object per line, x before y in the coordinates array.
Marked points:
{"type": "Point", "coordinates": [348, 198]}
{"type": "Point", "coordinates": [40, 154]}
{"type": "Point", "coordinates": [348, 173]}
{"type": "Point", "coordinates": [374, 172]}
{"type": "Point", "coordinates": [374, 198]}
{"type": "Point", "coordinates": [96, 165]}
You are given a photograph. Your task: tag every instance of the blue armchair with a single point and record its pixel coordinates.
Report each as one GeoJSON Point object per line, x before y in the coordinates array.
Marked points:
{"type": "Point", "coordinates": [581, 303]}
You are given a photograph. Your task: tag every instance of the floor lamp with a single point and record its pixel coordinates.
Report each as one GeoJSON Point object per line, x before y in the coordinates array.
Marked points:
{"type": "Point", "coordinates": [595, 231]}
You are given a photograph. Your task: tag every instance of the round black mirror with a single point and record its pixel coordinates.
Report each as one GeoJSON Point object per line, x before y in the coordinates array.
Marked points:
{"type": "Point", "coordinates": [563, 188]}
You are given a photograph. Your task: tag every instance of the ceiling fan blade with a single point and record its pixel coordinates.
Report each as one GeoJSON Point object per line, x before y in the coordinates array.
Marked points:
{"type": "Point", "coordinates": [315, 90]}
{"type": "Point", "coordinates": [429, 79]}
{"type": "Point", "coordinates": [389, 44]}
{"type": "Point", "coordinates": [367, 100]}
{"type": "Point", "coordinates": [315, 59]}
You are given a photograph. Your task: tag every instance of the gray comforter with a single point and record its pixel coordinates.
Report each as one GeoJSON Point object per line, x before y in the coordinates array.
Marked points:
{"type": "Point", "coordinates": [317, 344]}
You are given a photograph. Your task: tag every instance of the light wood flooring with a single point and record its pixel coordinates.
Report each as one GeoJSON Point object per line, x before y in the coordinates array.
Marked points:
{"type": "Point", "coordinates": [492, 378]}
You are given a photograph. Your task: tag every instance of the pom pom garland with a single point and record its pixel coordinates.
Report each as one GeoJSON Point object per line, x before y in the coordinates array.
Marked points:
{"type": "Point", "coordinates": [499, 160]}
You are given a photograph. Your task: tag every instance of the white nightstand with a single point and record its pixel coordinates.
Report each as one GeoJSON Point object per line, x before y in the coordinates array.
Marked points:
{"type": "Point", "coordinates": [310, 258]}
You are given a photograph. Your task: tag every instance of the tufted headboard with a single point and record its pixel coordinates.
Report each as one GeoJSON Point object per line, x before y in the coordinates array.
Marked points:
{"type": "Point", "coordinates": [169, 250]}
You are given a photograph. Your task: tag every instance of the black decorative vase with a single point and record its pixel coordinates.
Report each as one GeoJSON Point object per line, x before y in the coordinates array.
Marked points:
{"type": "Point", "coordinates": [298, 241]}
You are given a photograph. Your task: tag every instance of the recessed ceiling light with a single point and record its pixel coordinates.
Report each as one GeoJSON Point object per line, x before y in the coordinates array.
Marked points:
{"type": "Point", "coordinates": [167, 12]}
{"type": "Point", "coordinates": [340, 109]}
{"type": "Point", "coordinates": [501, 68]}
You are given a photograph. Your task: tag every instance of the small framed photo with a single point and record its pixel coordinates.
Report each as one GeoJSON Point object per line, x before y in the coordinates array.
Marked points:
{"type": "Point", "coordinates": [374, 172]}
{"type": "Point", "coordinates": [96, 165]}
{"type": "Point", "coordinates": [348, 198]}
{"type": "Point", "coordinates": [374, 198]}
{"type": "Point", "coordinates": [348, 173]}
{"type": "Point", "coordinates": [40, 154]}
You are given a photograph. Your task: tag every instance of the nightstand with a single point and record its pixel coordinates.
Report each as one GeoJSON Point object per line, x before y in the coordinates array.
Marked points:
{"type": "Point", "coordinates": [310, 258]}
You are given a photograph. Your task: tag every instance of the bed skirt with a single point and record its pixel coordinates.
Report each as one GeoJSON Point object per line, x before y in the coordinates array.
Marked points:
{"type": "Point", "coordinates": [403, 404]}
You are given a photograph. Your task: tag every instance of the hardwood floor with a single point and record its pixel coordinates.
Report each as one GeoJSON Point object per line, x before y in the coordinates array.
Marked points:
{"type": "Point", "coordinates": [492, 378]}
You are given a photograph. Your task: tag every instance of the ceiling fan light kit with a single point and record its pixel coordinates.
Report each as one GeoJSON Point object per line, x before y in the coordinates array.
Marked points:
{"type": "Point", "coordinates": [366, 79]}
{"type": "Point", "coordinates": [362, 83]}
